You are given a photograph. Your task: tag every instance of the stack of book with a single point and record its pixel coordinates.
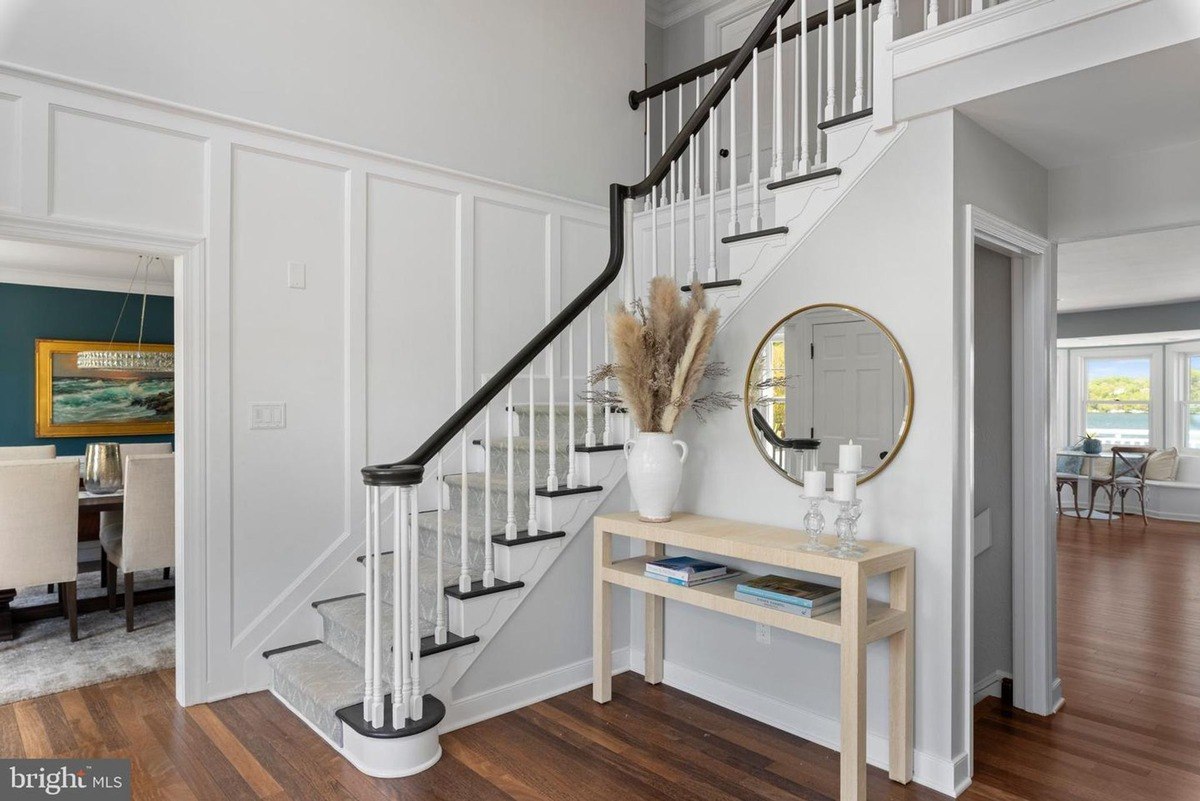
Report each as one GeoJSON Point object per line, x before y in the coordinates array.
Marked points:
{"type": "Point", "coordinates": [687, 571]}
{"type": "Point", "coordinates": [803, 598]}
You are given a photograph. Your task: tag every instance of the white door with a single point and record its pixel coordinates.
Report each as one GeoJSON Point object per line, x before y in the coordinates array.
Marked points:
{"type": "Point", "coordinates": [853, 390]}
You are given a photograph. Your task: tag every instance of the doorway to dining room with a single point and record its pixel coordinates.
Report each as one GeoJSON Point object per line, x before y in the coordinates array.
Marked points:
{"type": "Point", "coordinates": [87, 465]}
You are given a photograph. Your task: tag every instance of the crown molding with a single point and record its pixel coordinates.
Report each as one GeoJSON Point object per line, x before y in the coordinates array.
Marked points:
{"type": "Point", "coordinates": [665, 13]}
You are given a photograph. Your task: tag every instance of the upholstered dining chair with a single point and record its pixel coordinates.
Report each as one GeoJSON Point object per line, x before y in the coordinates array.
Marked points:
{"type": "Point", "coordinates": [27, 452]}
{"type": "Point", "coordinates": [145, 537]}
{"type": "Point", "coordinates": [1129, 475]}
{"type": "Point", "coordinates": [133, 449]}
{"type": "Point", "coordinates": [39, 528]}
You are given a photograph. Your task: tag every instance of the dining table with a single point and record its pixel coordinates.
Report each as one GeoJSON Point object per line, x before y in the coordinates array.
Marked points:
{"type": "Point", "coordinates": [90, 507]}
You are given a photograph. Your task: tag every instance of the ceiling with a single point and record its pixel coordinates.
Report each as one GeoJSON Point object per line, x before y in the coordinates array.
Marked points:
{"type": "Point", "coordinates": [1130, 270]}
{"type": "Point", "coordinates": [1136, 104]}
{"type": "Point", "coordinates": [665, 13]}
{"type": "Point", "coordinates": [78, 268]}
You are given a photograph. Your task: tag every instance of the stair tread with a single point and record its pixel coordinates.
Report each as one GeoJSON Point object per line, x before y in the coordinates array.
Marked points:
{"type": "Point", "coordinates": [329, 680]}
{"type": "Point", "coordinates": [815, 175]}
{"type": "Point", "coordinates": [350, 614]}
{"type": "Point", "coordinates": [845, 118]}
{"type": "Point", "coordinates": [729, 240]}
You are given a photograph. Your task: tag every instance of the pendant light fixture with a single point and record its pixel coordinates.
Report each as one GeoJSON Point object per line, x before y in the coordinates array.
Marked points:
{"type": "Point", "coordinates": [136, 360]}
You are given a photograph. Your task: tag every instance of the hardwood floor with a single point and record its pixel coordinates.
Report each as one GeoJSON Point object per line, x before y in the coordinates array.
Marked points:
{"type": "Point", "coordinates": [1130, 654]}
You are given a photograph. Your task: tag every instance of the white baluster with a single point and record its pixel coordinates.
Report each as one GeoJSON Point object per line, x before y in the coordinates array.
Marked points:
{"type": "Point", "coordinates": [589, 434]}
{"type": "Point", "coordinates": [695, 142]}
{"type": "Point", "coordinates": [693, 163]}
{"type": "Point", "coordinates": [714, 131]}
{"type": "Point", "coordinates": [369, 523]}
{"type": "Point", "coordinates": [654, 230]}
{"type": "Point", "coordinates": [931, 19]}
{"type": "Point", "coordinates": [755, 148]}
{"type": "Point", "coordinates": [401, 677]}
{"type": "Point", "coordinates": [671, 227]}
{"type": "Point", "coordinates": [802, 83]}
{"type": "Point", "coordinates": [489, 571]}
{"type": "Point", "coordinates": [820, 94]}
{"type": "Point", "coordinates": [375, 632]}
{"type": "Point", "coordinates": [607, 406]}
{"type": "Point", "coordinates": [414, 586]}
{"type": "Point", "coordinates": [830, 66]}
{"type": "Point", "coordinates": [777, 107]}
{"type": "Point", "coordinates": [552, 474]}
{"type": "Point", "coordinates": [664, 196]}
{"type": "Point", "coordinates": [510, 521]}
{"type": "Point", "coordinates": [631, 268]}
{"type": "Point", "coordinates": [678, 191]}
{"type": "Point", "coordinates": [796, 104]}
{"type": "Point", "coordinates": [439, 627]}
{"type": "Point", "coordinates": [868, 71]}
{"type": "Point", "coordinates": [859, 92]}
{"type": "Point", "coordinates": [531, 524]}
{"type": "Point", "coordinates": [571, 398]}
{"type": "Point", "coordinates": [845, 100]}
{"type": "Point", "coordinates": [464, 575]}
{"type": "Point", "coordinates": [735, 226]}
{"type": "Point", "coordinates": [647, 137]}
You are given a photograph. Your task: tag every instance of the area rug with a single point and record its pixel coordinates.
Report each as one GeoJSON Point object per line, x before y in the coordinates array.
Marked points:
{"type": "Point", "coordinates": [43, 660]}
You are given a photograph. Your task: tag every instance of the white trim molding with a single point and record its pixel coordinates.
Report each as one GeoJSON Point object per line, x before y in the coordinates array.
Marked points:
{"type": "Point", "coordinates": [1035, 667]}
{"type": "Point", "coordinates": [665, 13]}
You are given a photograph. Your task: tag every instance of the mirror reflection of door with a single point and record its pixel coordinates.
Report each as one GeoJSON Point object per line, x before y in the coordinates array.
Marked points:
{"type": "Point", "coordinates": [854, 391]}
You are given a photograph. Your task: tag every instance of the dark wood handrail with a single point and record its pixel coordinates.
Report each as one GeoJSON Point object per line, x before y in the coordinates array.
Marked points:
{"type": "Point", "coordinates": [412, 470]}
{"type": "Point", "coordinates": [765, 429]}
{"type": "Point", "coordinates": [637, 96]}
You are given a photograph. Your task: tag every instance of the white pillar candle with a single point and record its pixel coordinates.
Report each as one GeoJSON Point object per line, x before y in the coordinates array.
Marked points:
{"type": "Point", "coordinates": [849, 457]}
{"type": "Point", "coordinates": [814, 483]}
{"type": "Point", "coordinates": [844, 486]}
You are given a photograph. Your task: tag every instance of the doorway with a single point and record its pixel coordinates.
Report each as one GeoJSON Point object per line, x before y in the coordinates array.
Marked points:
{"type": "Point", "coordinates": [186, 259]}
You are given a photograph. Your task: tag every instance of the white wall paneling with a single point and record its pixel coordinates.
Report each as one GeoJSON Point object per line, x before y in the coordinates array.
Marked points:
{"type": "Point", "coordinates": [104, 168]}
{"type": "Point", "coordinates": [10, 151]}
{"type": "Point", "coordinates": [417, 277]}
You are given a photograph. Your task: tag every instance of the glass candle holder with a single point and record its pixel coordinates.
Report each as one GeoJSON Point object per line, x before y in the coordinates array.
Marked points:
{"type": "Point", "coordinates": [814, 525]}
{"type": "Point", "coordinates": [847, 529]}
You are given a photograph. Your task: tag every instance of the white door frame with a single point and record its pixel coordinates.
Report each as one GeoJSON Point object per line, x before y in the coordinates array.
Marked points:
{"type": "Point", "coordinates": [191, 421]}
{"type": "Point", "coordinates": [1036, 685]}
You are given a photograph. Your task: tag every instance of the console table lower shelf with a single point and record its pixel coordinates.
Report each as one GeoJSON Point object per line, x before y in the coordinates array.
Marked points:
{"type": "Point", "coordinates": [858, 622]}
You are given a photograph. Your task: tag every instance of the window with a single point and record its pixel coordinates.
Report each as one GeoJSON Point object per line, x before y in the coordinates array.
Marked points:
{"type": "Point", "coordinates": [1192, 429]}
{"type": "Point", "coordinates": [777, 370]}
{"type": "Point", "coordinates": [1117, 401]}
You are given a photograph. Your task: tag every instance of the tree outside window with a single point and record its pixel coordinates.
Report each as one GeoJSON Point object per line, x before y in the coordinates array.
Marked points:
{"type": "Point", "coordinates": [1117, 407]}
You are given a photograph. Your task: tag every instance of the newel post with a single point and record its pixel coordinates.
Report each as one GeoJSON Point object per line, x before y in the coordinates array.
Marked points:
{"type": "Point", "coordinates": [885, 32]}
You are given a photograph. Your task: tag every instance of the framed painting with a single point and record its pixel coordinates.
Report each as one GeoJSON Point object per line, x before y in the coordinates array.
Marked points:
{"type": "Point", "coordinates": [85, 402]}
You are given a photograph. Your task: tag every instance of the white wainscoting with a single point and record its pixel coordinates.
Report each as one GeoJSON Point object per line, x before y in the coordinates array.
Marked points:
{"type": "Point", "coordinates": [419, 280]}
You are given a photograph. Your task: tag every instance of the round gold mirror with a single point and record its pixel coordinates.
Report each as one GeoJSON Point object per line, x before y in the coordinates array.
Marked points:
{"type": "Point", "coordinates": [822, 376]}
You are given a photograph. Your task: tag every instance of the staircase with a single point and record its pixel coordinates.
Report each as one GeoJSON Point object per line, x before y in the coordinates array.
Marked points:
{"type": "Point", "coordinates": [458, 533]}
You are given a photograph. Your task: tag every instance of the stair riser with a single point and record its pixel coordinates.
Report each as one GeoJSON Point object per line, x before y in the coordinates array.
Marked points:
{"type": "Point", "coordinates": [541, 421]}
{"type": "Point", "coordinates": [498, 497]}
{"type": "Point", "coordinates": [452, 545]}
{"type": "Point", "coordinates": [499, 459]}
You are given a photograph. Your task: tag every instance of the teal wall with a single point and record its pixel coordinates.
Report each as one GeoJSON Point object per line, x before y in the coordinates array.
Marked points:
{"type": "Point", "coordinates": [29, 313]}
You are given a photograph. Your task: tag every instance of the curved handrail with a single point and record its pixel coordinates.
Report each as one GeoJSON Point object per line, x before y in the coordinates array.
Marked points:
{"type": "Point", "coordinates": [411, 470]}
{"type": "Point", "coordinates": [765, 429]}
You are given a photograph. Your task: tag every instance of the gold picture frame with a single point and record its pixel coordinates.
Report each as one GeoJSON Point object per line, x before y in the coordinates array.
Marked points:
{"type": "Point", "coordinates": [71, 402]}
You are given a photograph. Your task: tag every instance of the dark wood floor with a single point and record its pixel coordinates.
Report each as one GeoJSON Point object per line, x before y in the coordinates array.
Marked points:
{"type": "Point", "coordinates": [1130, 653]}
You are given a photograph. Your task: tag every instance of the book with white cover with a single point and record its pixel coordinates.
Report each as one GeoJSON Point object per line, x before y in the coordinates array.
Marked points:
{"type": "Point", "coordinates": [791, 609]}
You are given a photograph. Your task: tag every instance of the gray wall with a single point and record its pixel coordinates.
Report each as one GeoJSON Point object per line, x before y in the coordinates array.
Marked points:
{"type": "Point", "coordinates": [993, 461]}
{"type": "Point", "coordinates": [1132, 320]}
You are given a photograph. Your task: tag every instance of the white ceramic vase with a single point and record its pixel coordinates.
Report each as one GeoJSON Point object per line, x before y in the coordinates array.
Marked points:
{"type": "Point", "coordinates": [655, 474]}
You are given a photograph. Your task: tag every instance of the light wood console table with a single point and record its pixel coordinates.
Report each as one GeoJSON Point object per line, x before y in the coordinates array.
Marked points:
{"type": "Point", "coordinates": [858, 621]}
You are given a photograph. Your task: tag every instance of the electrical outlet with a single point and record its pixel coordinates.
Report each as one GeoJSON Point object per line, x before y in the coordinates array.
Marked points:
{"type": "Point", "coordinates": [762, 633]}
{"type": "Point", "coordinates": [297, 275]}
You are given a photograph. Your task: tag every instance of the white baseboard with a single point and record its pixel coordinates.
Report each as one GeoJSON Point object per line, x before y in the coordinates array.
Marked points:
{"type": "Point", "coordinates": [944, 775]}
{"type": "Point", "coordinates": [990, 685]}
{"type": "Point", "coordinates": [1180, 516]}
{"type": "Point", "coordinates": [490, 703]}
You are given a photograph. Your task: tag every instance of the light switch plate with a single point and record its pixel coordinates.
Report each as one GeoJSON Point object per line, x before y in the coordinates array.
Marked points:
{"type": "Point", "coordinates": [268, 415]}
{"type": "Point", "coordinates": [297, 275]}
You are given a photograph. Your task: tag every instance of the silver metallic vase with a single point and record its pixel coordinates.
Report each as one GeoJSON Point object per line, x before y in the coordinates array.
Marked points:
{"type": "Point", "coordinates": [102, 468]}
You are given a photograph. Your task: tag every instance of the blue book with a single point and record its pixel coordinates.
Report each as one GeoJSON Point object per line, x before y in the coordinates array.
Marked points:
{"type": "Point", "coordinates": [790, 591]}
{"type": "Point", "coordinates": [693, 582]}
{"type": "Point", "coordinates": [685, 567]}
